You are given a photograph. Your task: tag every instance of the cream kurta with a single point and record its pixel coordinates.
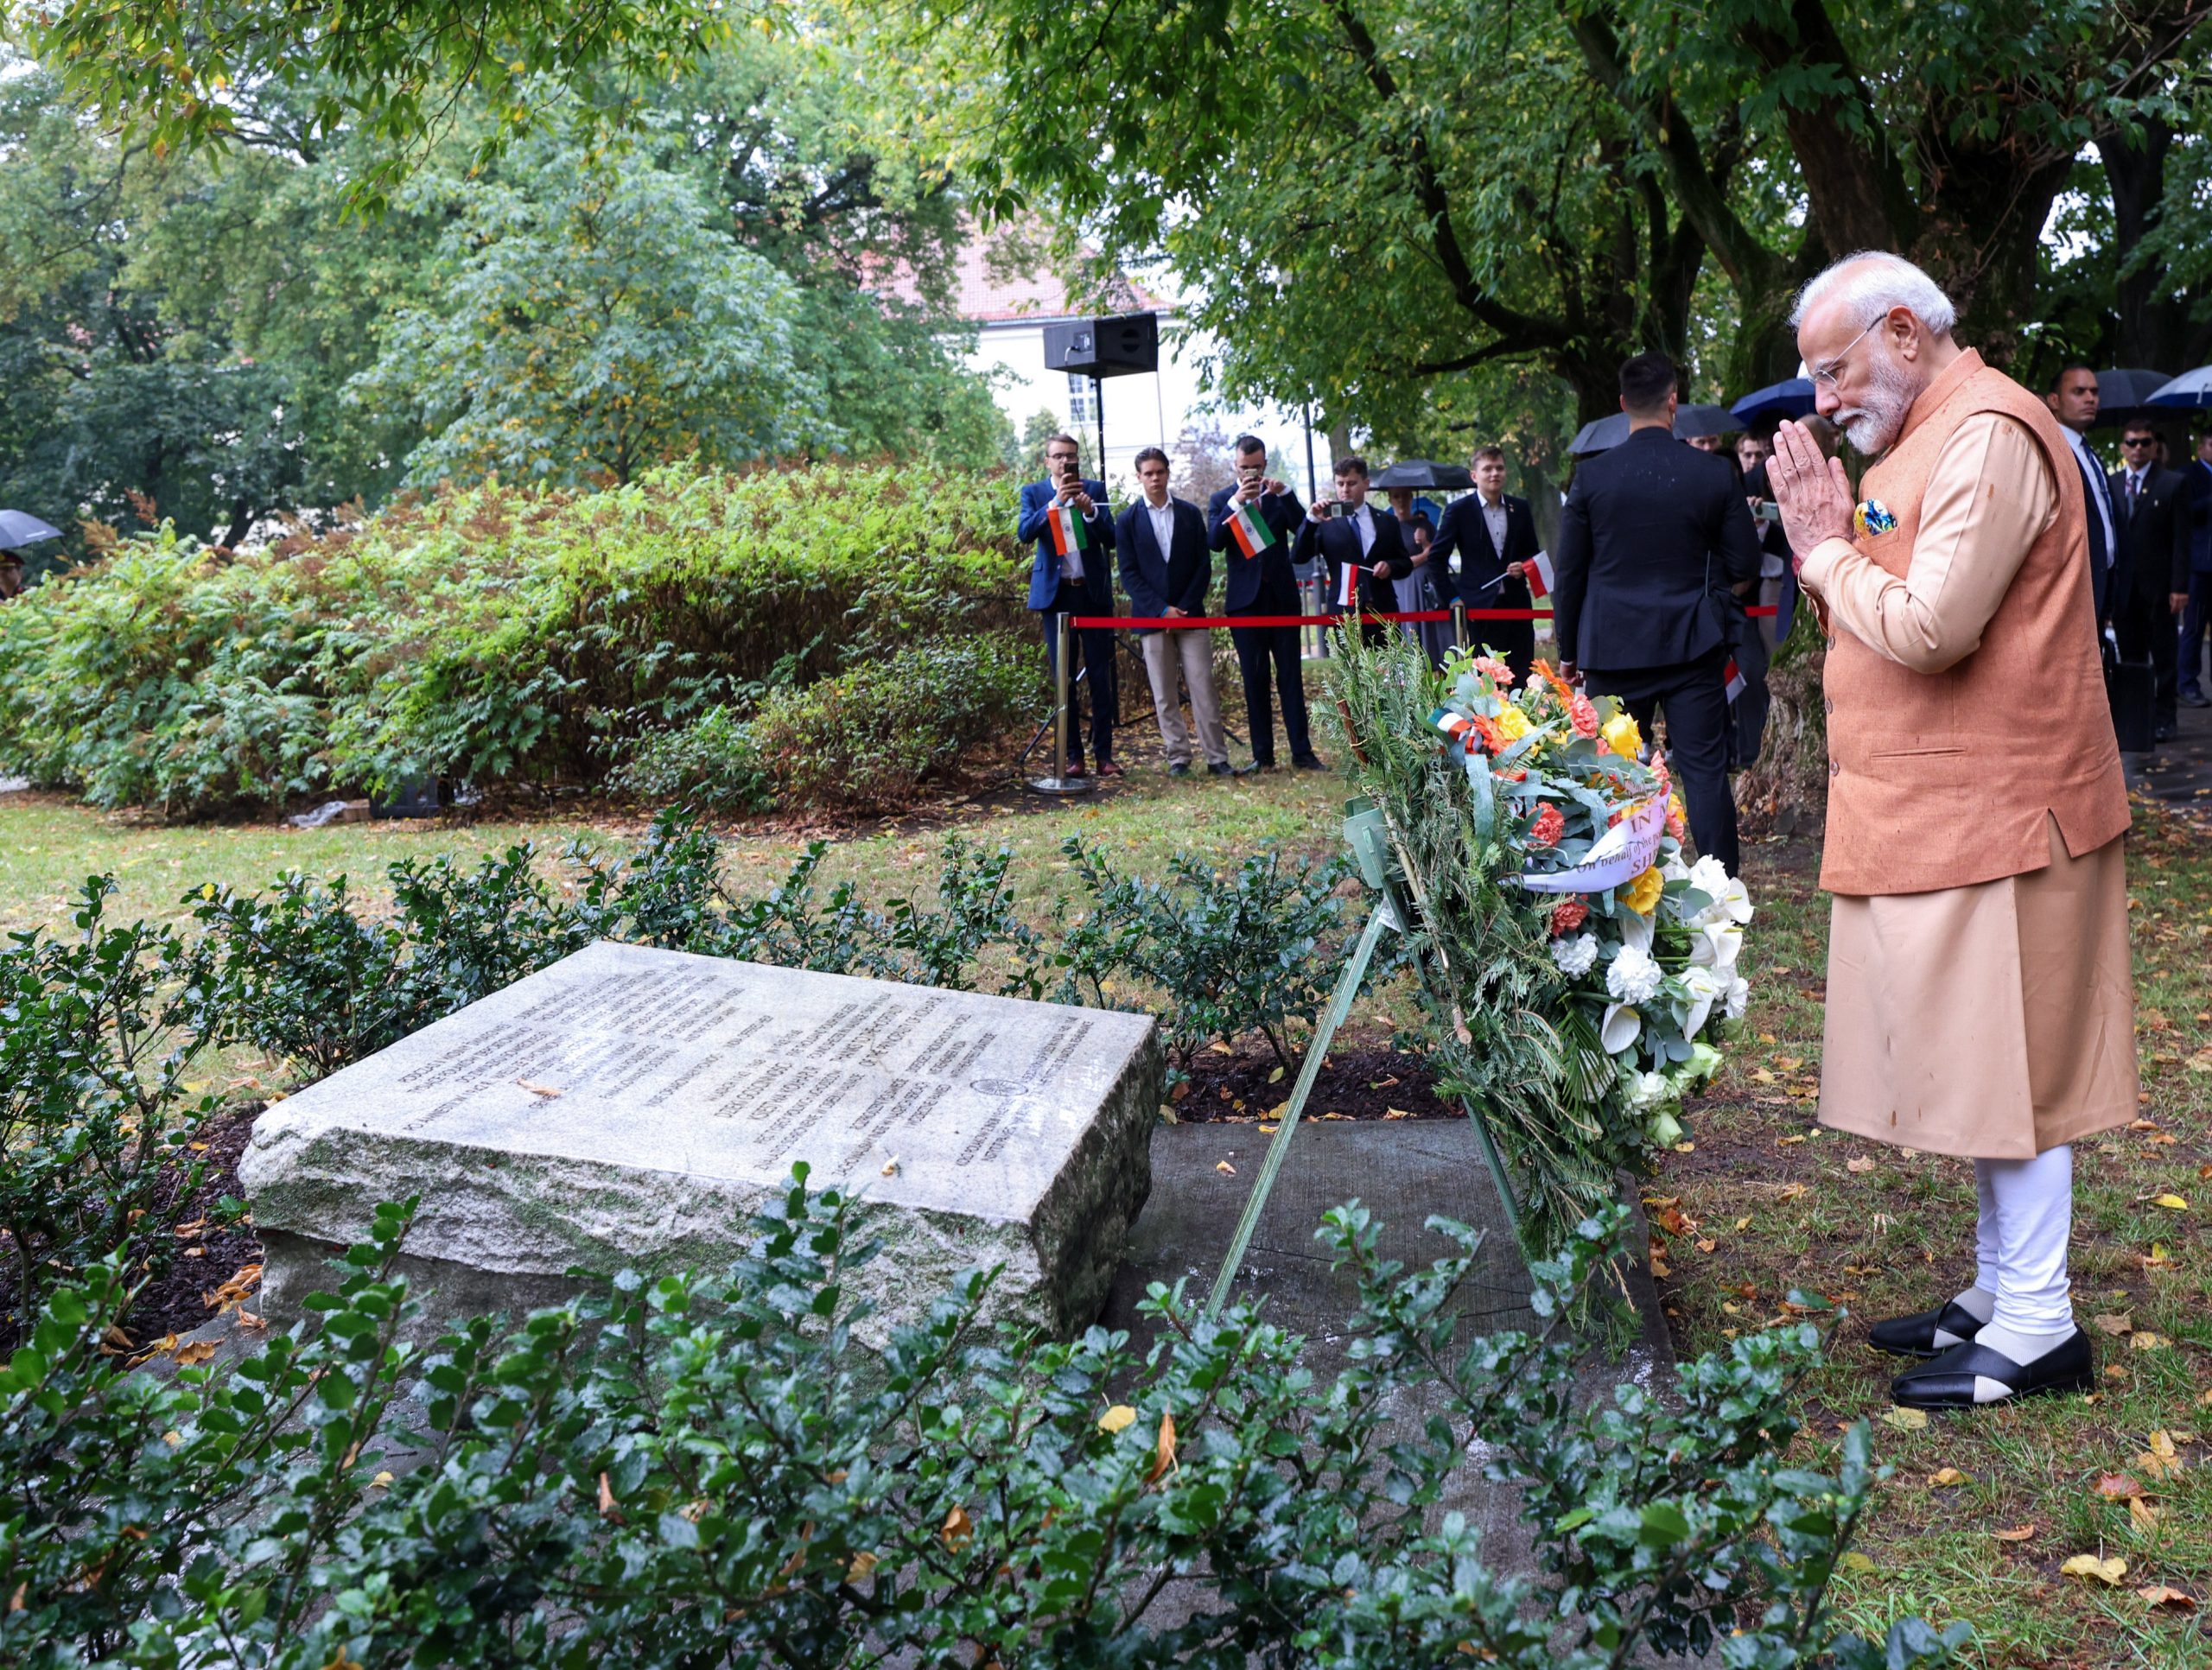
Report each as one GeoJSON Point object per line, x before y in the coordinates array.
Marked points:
{"type": "Point", "coordinates": [1994, 1020]}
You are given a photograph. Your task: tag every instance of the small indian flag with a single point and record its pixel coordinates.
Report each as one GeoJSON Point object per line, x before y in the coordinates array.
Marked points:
{"type": "Point", "coordinates": [1538, 576]}
{"type": "Point", "coordinates": [1734, 679]}
{"type": "Point", "coordinates": [1252, 535]}
{"type": "Point", "coordinates": [1068, 534]}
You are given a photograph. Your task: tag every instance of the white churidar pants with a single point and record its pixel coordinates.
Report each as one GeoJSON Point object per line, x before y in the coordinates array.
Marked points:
{"type": "Point", "coordinates": [2027, 1216]}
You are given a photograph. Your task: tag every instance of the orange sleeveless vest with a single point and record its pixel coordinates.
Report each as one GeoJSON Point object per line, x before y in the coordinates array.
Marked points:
{"type": "Point", "coordinates": [1944, 779]}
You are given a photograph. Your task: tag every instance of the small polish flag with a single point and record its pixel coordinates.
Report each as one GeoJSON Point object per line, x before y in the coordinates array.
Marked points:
{"type": "Point", "coordinates": [1252, 535]}
{"type": "Point", "coordinates": [1734, 680]}
{"type": "Point", "coordinates": [1347, 581]}
{"type": "Point", "coordinates": [1538, 576]}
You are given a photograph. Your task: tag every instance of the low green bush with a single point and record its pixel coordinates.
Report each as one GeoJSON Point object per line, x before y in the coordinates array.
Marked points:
{"type": "Point", "coordinates": [100, 1032]}
{"type": "Point", "coordinates": [708, 1470]}
{"type": "Point", "coordinates": [487, 633]}
{"type": "Point", "coordinates": [869, 738]}
{"type": "Point", "coordinates": [1232, 952]}
{"type": "Point", "coordinates": [711, 763]}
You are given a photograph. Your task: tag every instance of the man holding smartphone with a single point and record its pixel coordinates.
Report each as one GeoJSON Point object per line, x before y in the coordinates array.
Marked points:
{"type": "Point", "coordinates": [1254, 524]}
{"type": "Point", "coordinates": [1366, 548]}
{"type": "Point", "coordinates": [1071, 573]}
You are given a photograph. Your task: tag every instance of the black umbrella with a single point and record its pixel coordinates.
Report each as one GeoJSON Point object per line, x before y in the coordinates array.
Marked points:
{"type": "Point", "coordinates": [1608, 432]}
{"type": "Point", "coordinates": [2124, 396]}
{"type": "Point", "coordinates": [20, 527]}
{"type": "Point", "coordinates": [1418, 473]}
{"type": "Point", "coordinates": [1791, 397]}
{"type": "Point", "coordinates": [1705, 420]}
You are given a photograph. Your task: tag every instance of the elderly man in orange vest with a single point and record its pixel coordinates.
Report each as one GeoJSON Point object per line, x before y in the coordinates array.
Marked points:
{"type": "Point", "coordinates": [1980, 999]}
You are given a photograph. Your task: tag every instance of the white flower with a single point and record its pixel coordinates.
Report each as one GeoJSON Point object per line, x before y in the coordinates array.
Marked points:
{"type": "Point", "coordinates": [1633, 977]}
{"type": "Point", "coordinates": [1649, 1090]}
{"type": "Point", "coordinates": [1673, 869]}
{"type": "Point", "coordinates": [1739, 998]}
{"type": "Point", "coordinates": [1618, 1032]}
{"type": "Point", "coordinates": [1703, 987]}
{"type": "Point", "coordinates": [1635, 930]}
{"type": "Point", "coordinates": [1709, 876]}
{"type": "Point", "coordinates": [1715, 946]}
{"type": "Point", "coordinates": [1574, 956]}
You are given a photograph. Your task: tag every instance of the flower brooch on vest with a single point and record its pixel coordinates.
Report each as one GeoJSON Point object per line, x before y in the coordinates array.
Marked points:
{"type": "Point", "coordinates": [1873, 518]}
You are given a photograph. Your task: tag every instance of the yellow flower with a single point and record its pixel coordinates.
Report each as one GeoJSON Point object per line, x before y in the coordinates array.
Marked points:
{"type": "Point", "coordinates": [1623, 738]}
{"type": "Point", "coordinates": [1641, 895]}
{"type": "Point", "coordinates": [1514, 722]}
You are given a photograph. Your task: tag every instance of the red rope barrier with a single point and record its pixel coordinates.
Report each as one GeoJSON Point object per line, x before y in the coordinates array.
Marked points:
{"type": "Point", "coordinates": [1185, 622]}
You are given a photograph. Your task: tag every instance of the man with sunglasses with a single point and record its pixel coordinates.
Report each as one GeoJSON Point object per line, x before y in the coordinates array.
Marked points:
{"type": "Point", "coordinates": [2197, 476]}
{"type": "Point", "coordinates": [2148, 502]}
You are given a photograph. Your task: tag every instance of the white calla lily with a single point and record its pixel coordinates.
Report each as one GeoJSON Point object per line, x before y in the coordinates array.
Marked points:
{"type": "Point", "coordinates": [1622, 1026]}
{"type": "Point", "coordinates": [1716, 946]}
{"type": "Point", "coordinates": [1705, 987]}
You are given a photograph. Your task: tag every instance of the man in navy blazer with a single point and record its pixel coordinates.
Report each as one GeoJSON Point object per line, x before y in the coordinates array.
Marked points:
{"type": "Point", "coordinates": [1356, 538]}
{"type": "Point", "coordinates": [1160, 543]}
{"type": "Point", "coordinates": [1077, 582]}
{"type": "Point", "coordinates": [1649, 531]}
{"type": "Point", "coordinates": [1494, 534]}
{"type": "Point", "coordinates": [1260, 583]}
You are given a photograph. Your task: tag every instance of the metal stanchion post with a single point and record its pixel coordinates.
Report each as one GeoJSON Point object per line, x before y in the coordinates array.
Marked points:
{"type": "Point", "coordinates": [1060, 782]}
{"type": "Point", "coordinates": [1459, 621]}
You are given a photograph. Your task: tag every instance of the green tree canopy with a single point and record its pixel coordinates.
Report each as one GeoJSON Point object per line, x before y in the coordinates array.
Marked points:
{"type": "Point", "coordinates": [589, 321]}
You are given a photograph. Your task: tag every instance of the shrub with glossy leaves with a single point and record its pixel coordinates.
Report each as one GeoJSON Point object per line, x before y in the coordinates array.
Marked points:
{"type": "Point", "coordinates": [711, 1470]}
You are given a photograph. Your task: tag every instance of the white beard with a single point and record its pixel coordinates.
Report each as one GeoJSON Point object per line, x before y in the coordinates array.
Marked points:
{"type": "Point", "coordinates": [1874, 427]}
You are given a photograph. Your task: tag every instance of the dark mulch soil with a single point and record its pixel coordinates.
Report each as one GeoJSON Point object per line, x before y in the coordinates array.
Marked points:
{"type": "Point", "coordinates": [1358, 1080]}
{"type": "Point", "coordinates": [210, 1250]}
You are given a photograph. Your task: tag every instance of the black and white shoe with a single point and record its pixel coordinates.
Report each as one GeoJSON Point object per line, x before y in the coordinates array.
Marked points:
{"type": "Point", "coordinates": [1968, 1377]}
{"type": "Point", "coordinates": [1928, 1334]}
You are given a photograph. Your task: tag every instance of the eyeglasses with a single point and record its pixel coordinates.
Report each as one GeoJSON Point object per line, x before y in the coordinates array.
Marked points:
{"type": "Point", "coordinates": [1828, 373]}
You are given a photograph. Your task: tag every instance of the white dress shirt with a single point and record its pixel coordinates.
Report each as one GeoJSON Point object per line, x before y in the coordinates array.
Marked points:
{"type": "Point", "coordinates": [1493, 519]}
{"type": "Point", "coordinates": [1163, 525]}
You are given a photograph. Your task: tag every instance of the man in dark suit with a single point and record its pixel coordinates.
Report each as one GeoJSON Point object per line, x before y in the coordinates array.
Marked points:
{"type": "Point", "coordinates": [1166, 568]}
{"type": "Point", "coordinates": [2197, 504]}
{"type": "Point", "coordinates": [2074, 400]}
{"type": "Point", "coordinates": [1649, 532]}
{"type": "Point", "coordinates": [1071, 574]}
{"type": "Point", "coordinates": [2150, 505]}
{"type": "Point", "coordinates": [1495, 535]}
{"type": "Point", "coordinates": [1363, 547]}
{"type": "Point", "coordinates": [1256, 550]}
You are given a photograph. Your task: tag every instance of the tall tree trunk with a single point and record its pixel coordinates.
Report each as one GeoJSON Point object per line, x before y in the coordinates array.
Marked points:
{"type": "Point", "coordinates": [2155, 330]}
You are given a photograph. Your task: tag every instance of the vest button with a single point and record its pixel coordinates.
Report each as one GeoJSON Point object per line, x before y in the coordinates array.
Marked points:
{"type": "Point", "coordinates": [1828, 643]}
{"type": "Point", "coordinates": [1835, 768]}
{"type": "Point", "coordinates": [1827, 704]}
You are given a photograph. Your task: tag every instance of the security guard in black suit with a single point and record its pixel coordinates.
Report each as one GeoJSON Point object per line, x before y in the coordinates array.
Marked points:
{"type": "Point", "coordinates": [1649, 532]}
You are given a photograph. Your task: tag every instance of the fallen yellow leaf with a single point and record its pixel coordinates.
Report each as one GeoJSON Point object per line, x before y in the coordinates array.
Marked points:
{"type": "Point", "coordinates": [2159, 1594]}
{"type": "Point", "coordinates": [1396, 1113]}
{"type": "Point", "coordinates": [196, 1351]}
{"type": "Point", "coordinates": [2114, 1322]}
{"type": "Point", "coordinates": [2172, 1202]}
{"type": "Point", "coordinates": [859, 1567]}
{"type": "Point", "coordinates": [1855, 1561]}
{"type": "Point", "coordinates": [1116, 1418]}
{"type": "Point", "coordinates": [1904, 1420]}
{"type": "Point", "coordinates": [957, 1529]}
{"type": "Point", "coordinates": [2147, 1342]}
{"type": "Point", "coordinates": [1863, 1163]}
{"type": "Point", "coordinates": [2014, 1533]}
{"type": "Point", "coordinates": [2144, 1516]}
{"type": "Point", "coordinates": [1163, 1455]}
{"type": "Point", "coordinates": [1224, 1168]}
{"type": "Point", "coordinates": [1945, 1478]}
{"type": "Point", "coordinates": [2088, 1566]}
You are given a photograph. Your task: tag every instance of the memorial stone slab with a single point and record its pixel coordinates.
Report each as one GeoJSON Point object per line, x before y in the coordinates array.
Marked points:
{"type": "Point", "coordinates": [632, 1107]}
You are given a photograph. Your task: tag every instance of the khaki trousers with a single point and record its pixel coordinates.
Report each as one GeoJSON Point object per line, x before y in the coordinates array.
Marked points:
{"type": "Point", "coordinates": [1194, 649]}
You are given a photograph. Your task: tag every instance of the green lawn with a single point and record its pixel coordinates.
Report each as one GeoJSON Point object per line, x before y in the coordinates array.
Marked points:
{"type": "Point", "coordinates": [1763, 1203]}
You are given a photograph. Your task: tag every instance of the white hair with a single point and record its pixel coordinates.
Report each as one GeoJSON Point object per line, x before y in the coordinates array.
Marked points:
{"type": "Point", "coordinates": [1872, 282]}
